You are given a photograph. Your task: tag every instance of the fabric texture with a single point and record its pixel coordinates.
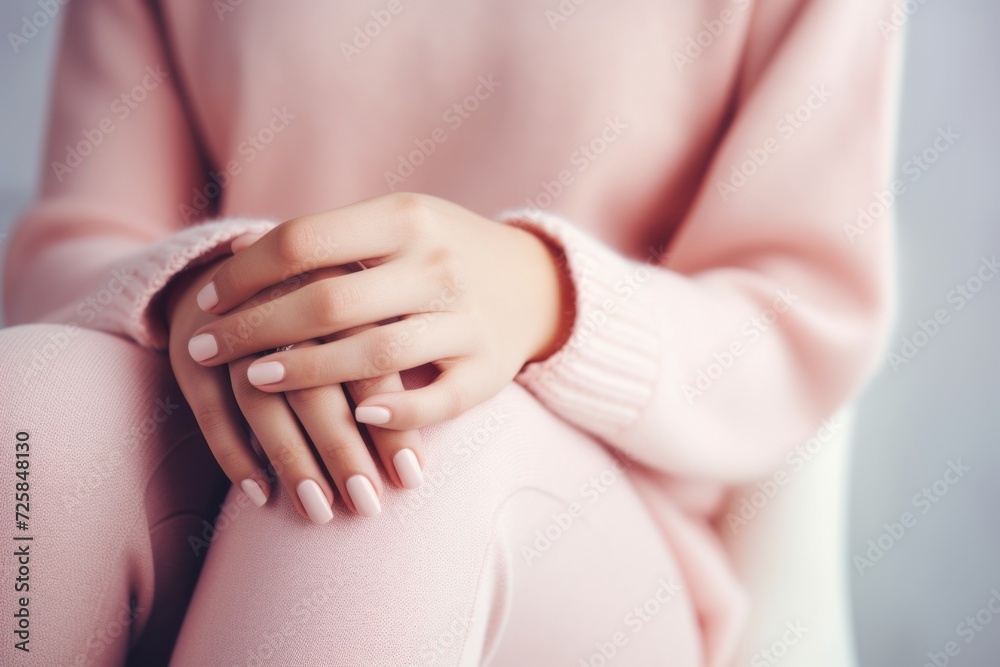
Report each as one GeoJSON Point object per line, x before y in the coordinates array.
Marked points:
{"type": "Point", "coordinates": [709, 168]}
{"type": "Point", "coordinates": [485, 564]}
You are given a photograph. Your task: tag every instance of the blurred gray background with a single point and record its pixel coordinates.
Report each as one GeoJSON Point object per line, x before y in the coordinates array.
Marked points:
{"type": "Point", "coordinates": [941, 408]}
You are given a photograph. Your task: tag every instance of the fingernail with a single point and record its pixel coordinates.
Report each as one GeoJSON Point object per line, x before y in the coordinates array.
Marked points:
{"type": "Point", "coordinates": [207, 297]}
{"type": "Point", "coordinates": [408, 468]}
{"type": "Point", "coordinates": [254, 492]}
{"type": "Point", "coordinates": [245, 241]}
{"type": "Point", "coordinates": [268, 372]}
{"type": "Point", "coordinates": [314, 501]}
{"type": "Point", "coordinates": [372, 414]}
{"type": "Point", "coordinates": [202, 347]}
{"type": "Point", "coordinates": [363, 494]}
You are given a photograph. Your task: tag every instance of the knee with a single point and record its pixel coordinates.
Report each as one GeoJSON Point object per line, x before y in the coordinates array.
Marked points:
{"type": "Point", "coordinates": [474, 462]}
{"type": "Point", "coordinates": [48, 364]}
{"type": "Point", "coordinates": [90, 397]}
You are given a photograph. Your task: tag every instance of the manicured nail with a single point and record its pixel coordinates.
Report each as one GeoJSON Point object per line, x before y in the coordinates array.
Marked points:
{"type": "Point", "coordinates": [254, 492]}
{"type": "Point", "coordinates": [268, 372]}
{"type": "Point", "coordinates": [408, 468]}
{"type": "Point", "coordinates": [245, 241]}
{"type": "Point", "coordinates": [363, 494]}
{"type": "Point", "coordinates": [203, 347]}
{"type": "Point", "coordinates": [208, 298]}
{"type": "Point", "coordinates": [372, 414]}
{"type": "Point", "coordinates": [314, 501]}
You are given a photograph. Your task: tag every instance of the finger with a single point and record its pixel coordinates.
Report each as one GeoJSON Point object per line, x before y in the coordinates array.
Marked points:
{"type": "Point", "coordinates": [208, 393]}
{"type": "Point", "coordinates": [282, 439]}
{"type": "Point", "coordinates": [453, 392]}
{"type": "Point", "coordinates": [370, 229]}
{"type": "Point", "coordinates": [375, 352]}
{"type": "Point", "coordinates": [318, 309]}
{"type": "Point", "coordinates": [243, 242]}
{"type": "Point", "coordinates": [401, 452]}
{"type": "Point", "coordinates": [326, 415]}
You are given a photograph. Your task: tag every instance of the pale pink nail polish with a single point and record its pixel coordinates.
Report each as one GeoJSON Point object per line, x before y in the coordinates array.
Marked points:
{"type": "Point", "coordinates": [314, 501]}
{"type": "Point", "coordinates": [373, 414]}
{"type": "Point", "coordinates": [268, 372]}
{"type": "Point", "coordinates": [207, 297]}
{"type": "Point", "coordinates": [203, 347]}
{"type": "Point", "coordinates": [254, 492]}
{"type": "Point", "coordinates": [363, 494]}
{"type": "Point", "coordinates": [408, 468]}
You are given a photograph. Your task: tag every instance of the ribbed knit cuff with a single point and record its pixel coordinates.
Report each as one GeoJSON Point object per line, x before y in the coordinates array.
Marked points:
{"type": "Point", "coordinates": [602, 378]}
{"type": "Point", "coordinates": [147, 273]}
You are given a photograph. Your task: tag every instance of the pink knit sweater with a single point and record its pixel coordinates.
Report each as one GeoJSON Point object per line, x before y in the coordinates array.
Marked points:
{"type": "Point", "coordinates": [712, 169]}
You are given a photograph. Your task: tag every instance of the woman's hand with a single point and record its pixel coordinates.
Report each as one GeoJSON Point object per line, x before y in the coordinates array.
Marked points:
{"type": "Point", "coordinates": [284, 424]}
{"type": "Point", "coordinates": [476, 298]}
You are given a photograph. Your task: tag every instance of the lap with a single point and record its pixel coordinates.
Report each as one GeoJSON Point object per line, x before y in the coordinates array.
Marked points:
{"type": "Point", "coordinates": [486, 556]}
{"type": "Point", "coordinates": [527, 541]}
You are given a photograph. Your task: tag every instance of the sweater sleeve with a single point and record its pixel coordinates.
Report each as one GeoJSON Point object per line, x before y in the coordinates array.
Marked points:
{"type": "Point", "coordinates": [772, 302]}
{"type": "Point", "coordinates": [121, 171]}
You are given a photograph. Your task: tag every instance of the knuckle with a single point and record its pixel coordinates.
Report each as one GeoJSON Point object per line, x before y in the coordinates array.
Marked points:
{"type": "Point", "coordinates": [308, 398]}
{"type": "Point", "coordinates": [362, 389]}
{"type": "Point", "coordinates": [311, 366]}
{"type": "Point", "coordinates": [382, 349]}
{"type": "Point", "coordinates": [231, 460]}
{"type": "Point", "coordinates": [454, 398]}
{"type": "Point", "coordinates": [447, 266]}
{"type": "Point", "coordinates": [212, 417]}
{"type": "Point", "coordinates": [337, 303]}
{"type": "Point", "coordinates": [295, 241]}
{"type": "Point", "coordinates": [334, 448]}
{"type": "Point", "coordinates": [413, 211]}
{"type": "Point", "coordinates": [283, 451]}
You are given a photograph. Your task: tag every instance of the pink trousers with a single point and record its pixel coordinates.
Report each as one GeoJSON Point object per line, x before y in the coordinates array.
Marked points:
{"type": "Point", "coordinates": [527, 544]}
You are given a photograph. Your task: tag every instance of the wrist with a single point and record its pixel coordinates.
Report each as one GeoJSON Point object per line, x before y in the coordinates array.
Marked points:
{"type": "Point", "coordinates": [555, 296]}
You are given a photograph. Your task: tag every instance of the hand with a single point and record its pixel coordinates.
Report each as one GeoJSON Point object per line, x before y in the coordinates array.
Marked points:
{"type": "Point", "coordinates": [476, 298]}
{"type": "Point", "coordinates": [284, 424]}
